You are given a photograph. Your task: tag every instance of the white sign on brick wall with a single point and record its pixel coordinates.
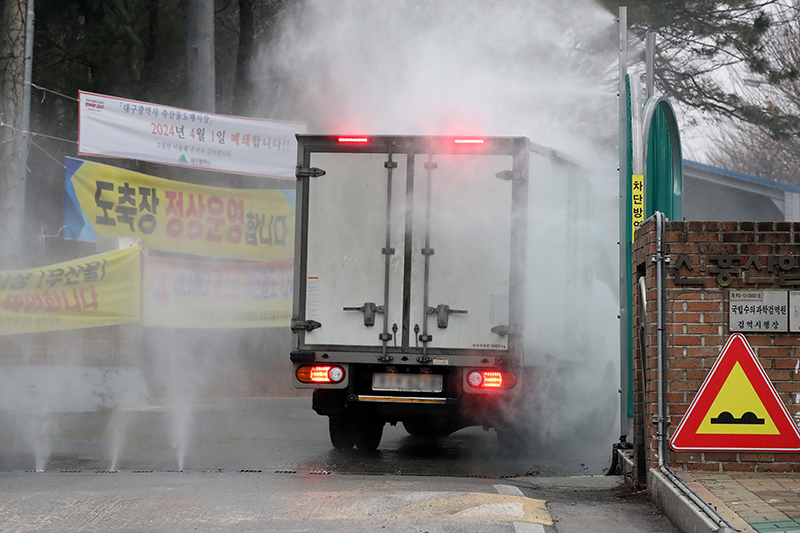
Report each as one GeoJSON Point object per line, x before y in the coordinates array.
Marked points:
{"type": "Point", "coordinates": [794, 310]}
{"type": "Point", "coordinates": [759, 310]}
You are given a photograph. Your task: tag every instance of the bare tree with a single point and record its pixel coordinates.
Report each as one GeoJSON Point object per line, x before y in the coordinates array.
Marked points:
{"type": "Point", "coordinates": [12, 48]}
{"type": "Point", "coordinates": [758, 150]}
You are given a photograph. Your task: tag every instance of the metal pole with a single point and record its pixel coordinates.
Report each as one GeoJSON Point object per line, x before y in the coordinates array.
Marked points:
{"type": "Point", "coordinates": [650, 44]}
{"type": "Point", "coordinates": [663, 447]}
{"type": "Point", "coordinates": [659, 259]}
{"type": "Point", "coordinates": [201, 74]}
{"type": "Point", "coordinates": [624, 287]}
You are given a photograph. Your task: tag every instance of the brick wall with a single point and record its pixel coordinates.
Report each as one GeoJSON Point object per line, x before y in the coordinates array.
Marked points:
{"type": "Point", "coordinates": [102, 346]}
{"type": "Point", "coordinates": [238, 363]}
{"type": "Point", "coordinates": [722, 256]}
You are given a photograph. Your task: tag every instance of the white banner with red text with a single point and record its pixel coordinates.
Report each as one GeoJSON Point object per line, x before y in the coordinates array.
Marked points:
{"type": "Point", "coordinates": [117, 127]}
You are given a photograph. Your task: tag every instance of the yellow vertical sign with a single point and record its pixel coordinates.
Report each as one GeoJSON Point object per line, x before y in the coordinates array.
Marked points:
{"type": "Point", "coordinates": [637, 201]}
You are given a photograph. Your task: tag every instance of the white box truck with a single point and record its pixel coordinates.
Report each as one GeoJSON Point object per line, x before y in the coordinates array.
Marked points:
{"type": "Point", "coordinates": [410, 281]}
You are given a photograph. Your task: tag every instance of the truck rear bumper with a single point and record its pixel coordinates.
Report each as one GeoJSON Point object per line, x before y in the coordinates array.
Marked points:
{"type": "Point", "coordinates": [468, 409]}
{"type": "Point", "coordinates": [399, 399]}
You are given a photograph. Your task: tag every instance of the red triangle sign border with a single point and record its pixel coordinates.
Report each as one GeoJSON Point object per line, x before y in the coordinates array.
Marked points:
{"type": "Point", "coordinates": [737, 349]}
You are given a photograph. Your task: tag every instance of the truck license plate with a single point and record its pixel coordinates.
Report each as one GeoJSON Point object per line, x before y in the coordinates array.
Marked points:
{"type": "Point", "coordinates": [407, 382]}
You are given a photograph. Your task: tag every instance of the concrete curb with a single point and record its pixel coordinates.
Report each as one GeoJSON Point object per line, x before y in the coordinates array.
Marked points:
{"type": "Point", "coordinates": [680, 510]}
{"type": "Point", "coordinates": [581, 483]}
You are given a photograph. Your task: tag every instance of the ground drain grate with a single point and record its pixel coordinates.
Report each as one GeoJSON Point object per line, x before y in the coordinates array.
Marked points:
{"type": "Point", "coordinates": [286, 471]}
{"type": "Point", "coordinates": [69, 471]}
{"type": "Point", "coordinates": [417, 474]}
{"type": "Point", "coordinates": [320, 472]}
{"type": "Point", "coordinates": [141, 471]}
{"type": "Point", "coordinates": [106, 471]}
{"type": "Point", "coordinates": [249, 471]}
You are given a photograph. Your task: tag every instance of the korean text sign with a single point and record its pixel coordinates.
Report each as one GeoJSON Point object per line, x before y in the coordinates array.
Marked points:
{"type": "Point", "coordinates": [102, 200]}
{"type": "Point", "coordinates": [99, 290]}
{"type": "Point", "coordinates": [115, 127]}
{"type": "Point", "coordinates": [193, 294]}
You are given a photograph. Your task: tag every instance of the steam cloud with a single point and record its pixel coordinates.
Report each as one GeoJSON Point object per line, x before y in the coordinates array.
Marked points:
{"type": "Point", "coordinates": [541, 69]}
{"type": "Point", "coordinates": [545, 70]}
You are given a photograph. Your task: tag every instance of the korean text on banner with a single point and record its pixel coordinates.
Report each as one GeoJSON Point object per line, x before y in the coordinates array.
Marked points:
{"type": "Point", "coordinates": [115, 127]}
{"type": "Point", "coordinates": [102, 200]}
{"type": "Point", "coordinates": [194, 294]}
{"type": "Point", "coordinates": [99, 290]}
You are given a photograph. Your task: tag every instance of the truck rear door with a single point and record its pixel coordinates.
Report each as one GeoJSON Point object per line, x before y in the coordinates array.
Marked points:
{"type": "Point", "coordinates": [461, 250]}
{"type": "Point", "coordinates": [410, 248]}
{"type": "Point", "coordinates": [355, 233]}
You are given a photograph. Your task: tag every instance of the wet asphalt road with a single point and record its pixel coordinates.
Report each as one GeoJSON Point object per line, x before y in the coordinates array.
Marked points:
{"type": "Point", "coordinates": [265, 434]}
{"type": "Point", "coordinates": [267, 465]}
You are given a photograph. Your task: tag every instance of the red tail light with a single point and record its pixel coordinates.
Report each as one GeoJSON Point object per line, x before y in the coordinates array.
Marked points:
{"type": "Point", "coordinates": [320, 374]}
{"type": "Point", "coordinates": [469, 141]}
{"type": "Point", "coordinates": [491, 379]}
{"type": "Point", "coordinates": [353, 139]}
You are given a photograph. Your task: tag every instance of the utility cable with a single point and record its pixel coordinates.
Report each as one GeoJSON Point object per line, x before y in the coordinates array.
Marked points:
{"type": "Point", "coordinates": [31, 134]}
{"type": "Point", "coordinates": [55, 92]}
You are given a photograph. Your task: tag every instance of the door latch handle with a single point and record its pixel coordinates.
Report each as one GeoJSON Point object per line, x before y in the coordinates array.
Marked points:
{"type": "Point", "coordinates": [305, 325]}
{"type": "Point", "coordinates": [369, 309]}
{"type": "Point", "coordinates": [443, 313]}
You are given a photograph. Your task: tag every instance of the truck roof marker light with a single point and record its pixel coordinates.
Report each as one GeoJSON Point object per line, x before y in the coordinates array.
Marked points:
{"type": "Point", "coordinates": [320, 374]}
{"type": "Point", "coordinates": [469, 141]}
{"type": "Point", "coordinates": [353, 140]}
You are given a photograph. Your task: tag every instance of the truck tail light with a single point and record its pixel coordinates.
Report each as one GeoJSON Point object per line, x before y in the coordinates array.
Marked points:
{"type": "Point", "coordinates": [353, 140]}
{"type": "Point", "coordinates": [473, 140]}
{"type": "Point", "coordinates": [491, 379]}
{"type": "Point", "coordinates": [320, 374]}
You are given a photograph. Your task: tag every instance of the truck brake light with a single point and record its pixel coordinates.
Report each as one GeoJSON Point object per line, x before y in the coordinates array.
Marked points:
{"type": "Point", "coordinates": [469, 141]}
{"type": "Point", "coordinates": [320, 374]}
{"type": "Point", "coordinates": [353, 139]}
{"type": "Point", "coordinates": [491, 379]}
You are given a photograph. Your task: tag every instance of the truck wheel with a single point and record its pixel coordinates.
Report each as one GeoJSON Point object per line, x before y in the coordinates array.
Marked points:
{"type": "Point", "coordinates": [342, 431]}
{"type": "Point", "coordinates": [369, 435]}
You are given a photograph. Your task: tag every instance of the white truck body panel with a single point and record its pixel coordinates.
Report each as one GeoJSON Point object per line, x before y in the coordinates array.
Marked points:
{"type": "Point", "coordinates": [457, 214]}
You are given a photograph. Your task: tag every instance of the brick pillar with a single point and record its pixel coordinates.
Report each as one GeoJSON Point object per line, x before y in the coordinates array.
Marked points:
{"type": "Point", "coordinates": [707, 261]}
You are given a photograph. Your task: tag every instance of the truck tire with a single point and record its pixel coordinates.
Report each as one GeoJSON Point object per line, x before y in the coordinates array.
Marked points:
{"type": "Point", "coordinates": [342, 432]}
{"type": "Point", "coordinates": [368, 435]}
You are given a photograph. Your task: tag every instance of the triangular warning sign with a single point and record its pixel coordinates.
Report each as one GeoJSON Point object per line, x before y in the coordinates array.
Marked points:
{"type": "Point", "coordinates": [737, 408]}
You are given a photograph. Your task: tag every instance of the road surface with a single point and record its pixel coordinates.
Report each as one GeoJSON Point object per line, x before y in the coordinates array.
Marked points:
{"type": "Point", "coordinates": [267, 465]}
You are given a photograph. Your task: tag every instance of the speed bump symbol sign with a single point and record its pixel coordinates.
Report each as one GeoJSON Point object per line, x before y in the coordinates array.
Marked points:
{"type": "Point", "coordinates": [737, 408]}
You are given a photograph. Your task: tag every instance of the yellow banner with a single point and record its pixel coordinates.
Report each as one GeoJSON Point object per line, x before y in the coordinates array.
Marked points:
{"type": "Point", "coordinates": [637, 201]}
{"type": "Point", "coordinates": [102, 200]}
{"type": "Point", "coordinates": [99, 290]}
{"type": "Point", "coordinates": [194, 294]}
